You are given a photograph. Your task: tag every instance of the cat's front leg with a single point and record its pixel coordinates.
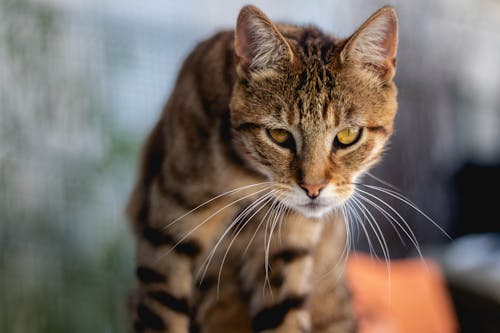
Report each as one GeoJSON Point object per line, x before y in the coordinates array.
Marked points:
{"type": "Point", "coordinates": [277, 274]}
{"type": "Point", "coordinates": [162, 301]}
{"type": "Point", "coordinates": [171, 243]}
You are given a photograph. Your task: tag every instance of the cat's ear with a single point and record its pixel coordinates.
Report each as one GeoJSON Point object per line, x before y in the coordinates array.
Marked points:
{"type": "Point", "coordinates": [258, 43]}
{"type": "Point", "coordinates": [374, 45]}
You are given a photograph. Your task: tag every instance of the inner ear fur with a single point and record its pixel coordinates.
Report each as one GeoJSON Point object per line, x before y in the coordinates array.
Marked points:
{"type": "Point", "coordinates": [374, 44]}
{"type": "Point", "coordinates": [258, 43]}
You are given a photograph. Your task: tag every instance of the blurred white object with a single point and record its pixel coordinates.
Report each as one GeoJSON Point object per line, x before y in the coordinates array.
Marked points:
{"type": "Point", "coordinates": [473, 261]}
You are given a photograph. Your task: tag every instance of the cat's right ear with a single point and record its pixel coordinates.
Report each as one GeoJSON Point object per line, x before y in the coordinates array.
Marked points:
{"type": "Point", "coordinates": [258, 43]}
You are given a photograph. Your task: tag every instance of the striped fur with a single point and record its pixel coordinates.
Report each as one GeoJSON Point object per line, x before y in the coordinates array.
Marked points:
{"type": "Point", "coordinates": [264, 257]}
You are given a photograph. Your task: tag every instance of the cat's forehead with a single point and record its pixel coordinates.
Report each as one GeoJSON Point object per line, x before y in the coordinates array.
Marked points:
{"type": "Point", "coordinates": [314, 82]}
{"type": "Point", "coordinates": [309, 100]}
{"type": "Point", "coordinates": [312, 48]}
{"type": "Point", "coordinates": [312, 95]}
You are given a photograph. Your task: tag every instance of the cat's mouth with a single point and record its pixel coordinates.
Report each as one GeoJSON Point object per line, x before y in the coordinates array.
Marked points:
{"type": "Point", "coordinates": [314, 209]}
{"type": "Point", "coordinates": [313, 205]}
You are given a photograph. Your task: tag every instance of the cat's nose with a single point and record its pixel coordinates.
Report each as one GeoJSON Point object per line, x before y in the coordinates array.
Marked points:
{"type": "Point", "coordinates": [312, 191]}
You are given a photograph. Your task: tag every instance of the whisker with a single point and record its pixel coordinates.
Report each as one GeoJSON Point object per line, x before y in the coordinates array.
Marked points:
{"type": "Point", "coordinates": [357, 218]}
{"type": "Point", "coordinates": [349, 232]}
{"type": "Point", "coordinates": [209, 217]}
{"type": "Point", "coordinates": [370, 218]}
{"type": "Point", "coordinates": [385, 249]}
{"type": "Point", "coordinates": [235, 237]}
{"type": "Point", "coordinates": [388, 217]}
{"type": "Point", "coordinates": [275, 220]}
{"type": "Point", "coordinates": [235, 221]}
{"type": "Point", "coordinates": [215, 198]}
{"type": "Point", "coordinates": [374, 226]}
{"type": "Point", "coordinates": [283, 218]}
{"type": "Point", "coordinates": [382, 181]}
{"type": "Point", "coordinates": [408, 232]}
{"type": "Point", "coordinates": [356, 229]}
{"type": "Point", "coordinates": [270, 206]}
{"type": "Point", "coordinates": [344, 255]}
{"type": "Point", "coordinates": [376, 230]}
{"type": "Point", "coordinates": [408, 202]}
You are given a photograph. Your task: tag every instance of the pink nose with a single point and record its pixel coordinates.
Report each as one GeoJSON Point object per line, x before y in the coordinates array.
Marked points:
{"type": "Point", "coordinates": [312, 191]}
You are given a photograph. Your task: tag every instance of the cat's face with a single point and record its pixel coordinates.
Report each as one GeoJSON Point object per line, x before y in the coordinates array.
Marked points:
{"type": "Point", "coordinates": [312, 113]}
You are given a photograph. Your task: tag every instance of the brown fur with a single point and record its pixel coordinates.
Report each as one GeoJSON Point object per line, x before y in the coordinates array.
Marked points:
{"type": "Point", "coordinates": [211, 138]}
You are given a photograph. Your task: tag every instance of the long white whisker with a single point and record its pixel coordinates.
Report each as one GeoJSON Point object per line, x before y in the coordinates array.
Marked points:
{"type": "Point", "coordinates": [408, 202]}
{"type": "Point", "coordinates": [357, 223]}
{"type": "Point", "coordinates": [286, 210]}
{"type": "Point", "coordinates": [385, 249]}
{"type": "Point", "coordinates": [270, 206]}
{"type": "Point", "coordinates": [377, 230]}
{"type": "Point", "coordinates": [349, 241]}
{"type": "Point", "coordinates": [374, 226]}
{"type": "Point", "coordinates": [235, 221]}
{"type": "Point", "coordinates": [215, 198]}
{"type": "Point", "coordinates": [388, 217]}
{"type": "Point", "coordinates": [238, 232]}
{"type": "Point", "coordinates": [356, 228]}
{"type": "Point", "coordinates": [349, 232]}
{"type": "Point", "coordinates": [344, 255]}
{"type": "Point", "coordinates": [209, 217]}
{"type": "Point", "coordinates": [408, 232]}
{"type": "Point", "coordinates": [267, 248]}
{"type": "Point", "coordinates": [274, 213]}
{"type": "Point", "coordinates": [359, 220]}
{"type": "Point", "coordinates": [382, 181]}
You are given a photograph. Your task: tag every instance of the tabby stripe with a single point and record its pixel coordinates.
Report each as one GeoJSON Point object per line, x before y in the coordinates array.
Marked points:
{"type": "Point", "coordinates": [157, 238]}
{"type": "Point", "coordinates": [228, 66]}
{"type": "Point", "coordinates": [148, 318]}
{"type": "Point", "coordinates": [147, 275]}
{"type": "Point", "coordinates": [199, 68]}
{"type": "Point", "coordinates": [276, 281]}
{"type": "Point", "coordinates": [326, 110]}
{"type": "Point", "coordinates": [176, 304]}
{"type": "Point", "coordinates": [179, 199]}
{"type": "Point", "coordinates": [273, 316]}
{"type": "Point", "coordinates": [207, 283]}
{"type": "Point", "coordinates": [290, 254]}
{"type": "Point", "coordinates": [264, 160]}
{"type": "Point", "coordinates": [226, 137]}
{"type": "Point", "coordinates": [247, 127]}
{"type": "Point", "coordinates": [189, 248]}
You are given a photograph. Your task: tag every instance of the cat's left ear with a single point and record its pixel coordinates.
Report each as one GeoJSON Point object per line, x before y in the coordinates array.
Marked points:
{"type": "Point", "coordinates": [374, 45]}
{"type": "Point", "coordinates": [258, 43]}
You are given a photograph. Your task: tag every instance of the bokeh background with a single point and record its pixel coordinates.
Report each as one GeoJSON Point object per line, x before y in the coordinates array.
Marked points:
{"type": "Point", "coordinates": [83, 81]}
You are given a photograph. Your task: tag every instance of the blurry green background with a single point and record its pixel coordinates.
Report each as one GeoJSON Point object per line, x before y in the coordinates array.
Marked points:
{"type": "Point", "coordinates": [81, 83]}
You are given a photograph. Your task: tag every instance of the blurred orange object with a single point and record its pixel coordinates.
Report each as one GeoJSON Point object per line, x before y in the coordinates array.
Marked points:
{"type": "Point", "coordinates": [412, 299]}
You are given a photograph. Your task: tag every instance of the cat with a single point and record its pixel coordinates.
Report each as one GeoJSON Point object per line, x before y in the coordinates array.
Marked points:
{"type": "Point", "coordinates": [238, 206]}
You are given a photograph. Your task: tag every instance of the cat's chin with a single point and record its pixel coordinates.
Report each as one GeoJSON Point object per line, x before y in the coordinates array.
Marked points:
{"type": "Point", "coordinates": [313, 210]}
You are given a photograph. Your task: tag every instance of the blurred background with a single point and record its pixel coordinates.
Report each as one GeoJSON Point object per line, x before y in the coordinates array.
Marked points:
{"type": "Point", "coordinates": [83, 81]}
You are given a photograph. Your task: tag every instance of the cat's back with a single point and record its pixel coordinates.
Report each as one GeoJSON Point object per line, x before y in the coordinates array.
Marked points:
{"type": "Point", "coordinates": [206, 77]}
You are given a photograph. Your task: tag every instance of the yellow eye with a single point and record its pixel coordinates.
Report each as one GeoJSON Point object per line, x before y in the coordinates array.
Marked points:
{"type": "Point", "coordinates": [348, 135]}
{"type": "Point", "coordinates": [280, 136]}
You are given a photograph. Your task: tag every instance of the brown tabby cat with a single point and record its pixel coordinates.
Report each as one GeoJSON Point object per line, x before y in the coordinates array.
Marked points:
{"type": "Point", "coordinates": [238, 207]}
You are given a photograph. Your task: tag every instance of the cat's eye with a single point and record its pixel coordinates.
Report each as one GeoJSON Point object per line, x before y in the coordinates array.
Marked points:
{"type": "Point", "coordinates": [348, 136]}
{"type": "Point", "coordinates": [281, 137]}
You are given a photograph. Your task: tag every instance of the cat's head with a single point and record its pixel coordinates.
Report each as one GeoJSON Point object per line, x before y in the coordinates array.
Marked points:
{"type": "Point", "coordinates": [311, 112]}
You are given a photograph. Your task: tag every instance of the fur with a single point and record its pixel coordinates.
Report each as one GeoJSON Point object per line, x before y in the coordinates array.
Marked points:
{"type": "Point", "coordinates": [228, 237]}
